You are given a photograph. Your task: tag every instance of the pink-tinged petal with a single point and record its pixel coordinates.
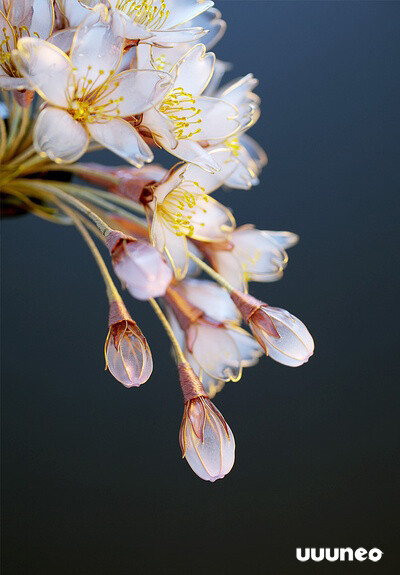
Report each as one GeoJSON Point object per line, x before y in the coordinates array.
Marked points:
{"type": "Point", "coordinates": [182, 11]}
{"type": "Point", "coordinates": [210, 298]}
{"type": "Point", "coordinates": [96, 49]}
{"type": "Point", "coordinates": [194, 70]}
{"type": "Point", "coordinates": [121, 138]}
{"type": "Point", "coordinates": [216, 352]}
{"type": "Point", "coordinates": [20, 13]}
{"type": "Point", "coordinates": [249, 348]}
{"type": "Point", "coordinates": [45, 67]}
{"type": "Point", "coordinates": [58, 136]}
{"type": "Point", "coordinates": [191, 151]}
{"type": "Point", "coordinates": [137, 90]}
{"type": "Point", "coordinates": [211, 182]}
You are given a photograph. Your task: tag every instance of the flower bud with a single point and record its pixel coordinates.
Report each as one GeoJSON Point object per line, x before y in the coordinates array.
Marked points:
{"type": "Point", "coordinates": [205, 438]}
{"type": "Point", "coordinates": [139, 266]}
{"type": "Point", "coordinates": [282, 336]}
{"type": "Point", "coordinates": [128, 356]}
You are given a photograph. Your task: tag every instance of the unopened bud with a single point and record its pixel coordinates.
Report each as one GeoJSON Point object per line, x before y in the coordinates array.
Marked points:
{"type": "Point", "coordinates": [206, 440]}
{"type": "Point", "coordinates": [282, 336]}
{"type": "Point", "coordinates": [128, 356]}
{"type": "Point", "coordinates": [139, 265]}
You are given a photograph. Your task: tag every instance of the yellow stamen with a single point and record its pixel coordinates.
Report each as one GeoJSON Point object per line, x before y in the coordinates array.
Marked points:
{"type": "Point", "coordinates": [180, 107]}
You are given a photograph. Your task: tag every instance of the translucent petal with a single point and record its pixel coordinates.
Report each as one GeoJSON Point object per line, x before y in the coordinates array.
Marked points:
{"type": "Point", "coordinates": [249, 348]}
{"type": "Point", "coordinates": [191, 151]}
{"type": "Point", "coordinates": [182, 11]}
{"type": "Point", "coordinates": [58, 136]}
{"type": "Point", "coordinates": [131, 363]}
{"type": "Point", "coordinates": [139, 90]}
{"type": "Point", "coordinates": [229, 267]}
{"type": "Point", "coordinates": [161, 128]}
{"type": "Point", "coordinates": [167, 38]}
{"type": "Point", "coordinates": [210, 298]}
{"type": "Point", "coordinates": [216, 352]}
{"type": "Point", "coordinates": [213, 458]}
{"type": "Point", "coordinates": [211, 21]}
{"type": "Point", "coordinates": [74, 11]}
{"type": "Point", "coordinates": [96, 49]}
{"type": "Point", "coordinates": [121, 138]}
{"type": "Point", "coordinates": [295, 344]}
{"type": "Point", "coordinates": [46, 67]}
{"type": "Point", "coordinates": [194, 70]}
{"type": "Point", "coordinates": [42, 18]}
{"type": "Point", "coordinates": [211, 182]}
{"type": "Point", "coordinates": [177, 253]}
{"type": "Point", "coordinates": [143, 270]}
{"type": "Point", "coordinates": [9, 83]}
{"type": "Point", "coordinates": [211, 220]}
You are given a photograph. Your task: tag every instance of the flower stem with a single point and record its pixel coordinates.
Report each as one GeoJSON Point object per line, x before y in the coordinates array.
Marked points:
{"type": "Point", "coordinates": [167, 326]}
{"type": "Point", "coordinates": [212, 273]}
{"type": "Point", "coordinates": [112, 292]}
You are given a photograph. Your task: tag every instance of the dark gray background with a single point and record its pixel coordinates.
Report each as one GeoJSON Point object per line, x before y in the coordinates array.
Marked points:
{"type": "Point", "coordinates": [92, 476]}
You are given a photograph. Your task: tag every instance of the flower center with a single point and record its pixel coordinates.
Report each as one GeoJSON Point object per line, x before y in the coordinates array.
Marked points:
{"type": "Point", "coordinates": [149, 13]}
{"type": "Point", "coordinates": [179, 107]}
{"type": "Point", "coordinates": [179, 207]}
{"type": "Point", "coordinates": [90, 99]}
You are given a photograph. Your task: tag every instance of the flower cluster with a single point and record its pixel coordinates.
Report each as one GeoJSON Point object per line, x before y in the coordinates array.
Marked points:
{"type": "Point", "coordinates": [132, 76]}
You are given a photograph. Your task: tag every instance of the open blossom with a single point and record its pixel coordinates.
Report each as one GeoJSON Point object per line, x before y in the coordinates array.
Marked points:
{"type": "Point", "coordinates": [282, 336]}
{"type": "Point", "coordinates": [19, 19]}
{"type": "Point", "coordinates": [181, 208]}
{"type": "Point", "coordinates": [128, 356]}
{"type": "Point", "coordinates": [160, 22]}
{"type": "Point", "coordinates": [185, 118]}
{"type": "Point", "coordinates": [206, 440]}
{"type": "Point", "coordinates": [249, 254]}
{"type": "Point", "coordinates": [85, 97]}
{"type": "Point", "coordinates": [139, 266]}
{"type": "Point", "coordinates": [213, 342]}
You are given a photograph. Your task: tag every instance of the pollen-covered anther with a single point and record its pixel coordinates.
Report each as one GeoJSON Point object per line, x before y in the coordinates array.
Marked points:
{"type": "Point", "coordinates": [180, 108]}
{"type": "Point", "coordinates": [149, 13]}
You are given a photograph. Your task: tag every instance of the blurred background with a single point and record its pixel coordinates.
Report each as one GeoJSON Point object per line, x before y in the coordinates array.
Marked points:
{"type": "Point", "coordinates": [93, 480]}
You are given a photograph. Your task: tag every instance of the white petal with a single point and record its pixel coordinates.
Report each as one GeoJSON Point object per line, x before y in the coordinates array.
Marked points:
{"type": "Point", "coordinates": [46, 68]}
{"type": "Point", "coordinates": [229, 267]}
{"type": "Point", "coordinates": [42, 19]}
{"type": "Point", "coordinates": [191, 151]}
{"type": "Point", "coordinates": [210, 298]}
{"type": "Point", "coordinates": [6, 31]}
{"type": "Point", "coordinates": [121, 138]}
{"type": "Point", "coordinates": [177, 253]}
{"type": "Point", "coordinates": [140, 89]}
{"type": "Point", "coordinates": [216, 352]}
{"type": "Point", "coordinates": [58, 136]}
{"type": "Point", "coordinates": [254, 150]}
{"type": "Point", "coordinates": [194, 70]}
{"type": "Point", "coordinates": [217, 120]}
{"type": "Point", "coordinates": [9, 83]}
{"type": "Point", "coordinates": [285, 240]}
{"type": "Point", "coordinates": [184, 10]}
{"type": "Point", "coordinates": [211, 20]}
{"type": "Point", "coordinates": [211, 220]}
{"type": "Point", "coordinates": [167, 38]}
{"type": "Point", "coordinates": [210, 182]}
{"type": "Point", "coordinates": [160, 127]}
{"type": "Point", "coordinates": [220, 68]}
{"type": "Point", "coordinates": [249, 348]}
{"type": "Point", "coordinates": [63, 39]}
{"type": "Point", "coordinates": [74, 11]}
{"type": "Point", "coordinates": [96, 50]}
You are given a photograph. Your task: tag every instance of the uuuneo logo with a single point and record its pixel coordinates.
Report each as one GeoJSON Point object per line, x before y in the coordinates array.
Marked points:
{"type": "Point", "coordinates": [338, 554]}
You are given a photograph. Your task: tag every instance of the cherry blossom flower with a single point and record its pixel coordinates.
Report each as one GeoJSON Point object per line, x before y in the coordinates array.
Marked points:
{"type": "Point", "coordinates": [85, 98]}
{"type": "Point", "coordinates": [181, 208]}
{"type": "Point", "coordinates": [249, 254]}
{"type": "Point", "coordinates": [20, 19]}
{"type": "Point", "coordinates": [185, 118]}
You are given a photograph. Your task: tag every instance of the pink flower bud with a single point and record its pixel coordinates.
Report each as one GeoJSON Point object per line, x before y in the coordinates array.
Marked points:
{"type": "Point", "coordinates": [206, 440]}
{"type": "Point", "coordinates": [282, 336]}
{"type": "Point", "coordinates": [139, 266]}
{"type": "Point", "coordinates": [128, 356]}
